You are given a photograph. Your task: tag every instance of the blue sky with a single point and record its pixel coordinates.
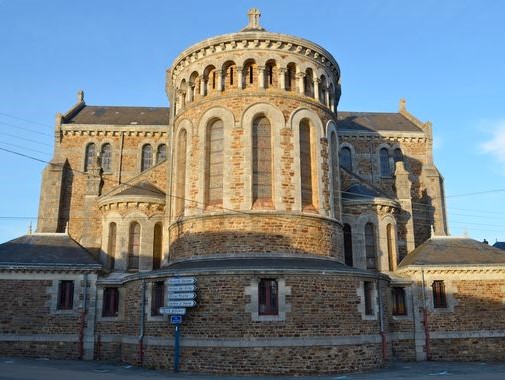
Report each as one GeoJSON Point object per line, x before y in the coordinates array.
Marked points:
{"type": "Point", "coordinates": [447, 58]}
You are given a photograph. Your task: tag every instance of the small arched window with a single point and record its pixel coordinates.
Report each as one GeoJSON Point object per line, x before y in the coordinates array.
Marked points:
{"type": "Point", "coordinates": [384, 163]}
{"type": "Point", "coordinates": [157, 244]}
{"type": "Point", "coordinates": [391, 247]}
{"type": "Point", "coordinates": [346, 158]}
{"type": "Point", "coordinates": [348, 245]}
{"type": "Point", "coordinates": [106, 156]}
{"type": "Point", "coordinates": [89, 156]}
{"type": "Point", "coordinates": [370, 247]}
{"type": "Point", "coordinates": [398, 155]}
{"type": "Point", "coordinates": [147, 157]}
{"type": "Point", "coordinates": [161, 154]}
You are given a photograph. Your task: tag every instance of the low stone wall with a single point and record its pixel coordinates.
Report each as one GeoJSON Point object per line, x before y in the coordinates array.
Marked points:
{"type": "Point", "coordinates": [468, 349]}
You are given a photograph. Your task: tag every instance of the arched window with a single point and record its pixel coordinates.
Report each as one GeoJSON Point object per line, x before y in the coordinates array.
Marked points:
{"type": "Point", "coordinates": [306, 167]}
{"type": "Point", "coordinates": [147, 157]}
{"type": "Point", "coordinates": [346, 158]}
{"type": "Point", "coordinates": [161, 154]}
{"type": "Point", "coordinates": [89, 156]}
{"type": "Point", "coordinates": [397, 155]}
{"type": "Point", "coordinates": [106, 156]}
{"type": "Point", "coordinates": [214, 163]}
{"type": "Point", "coordinates": [180, 182]}
{"type": "Point", "coordinates": [391, 247]}
{"type": "Point", "coordinates": [370, 247]}
{"type": "Point", "coordinates": [348, 245]}
{"type": "Point", "coordinates": [111, 246]}
{"type": "Point", "coordinates": [384, 162]}
{"type": "Point", "coordinates": [309, 83]}
{"type": "Point", "coordinates": [157, 244]}
{"type": "Point", "coordinates": [134, 246]}
{"type": "Point", "coordinates": [290, 77]}
{"type": "Point", "coordinates": [271, 74]}
{"type": "Point", "coordinates": [262, 162]}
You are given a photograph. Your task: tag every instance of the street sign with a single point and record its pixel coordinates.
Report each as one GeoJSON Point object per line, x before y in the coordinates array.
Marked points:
{"type": "Point", "coordinates": [173, 310]}
{"type": "Point", "coordinates": [176, 319]}
{"type": "Point", "coordinates": [182, 281]}
{"type": "Point", "coordinates": [181, 288]}
{"type": "Point", "coordinates": [182, 296]}
{"type": "Point", "coordinates": [183, 303]}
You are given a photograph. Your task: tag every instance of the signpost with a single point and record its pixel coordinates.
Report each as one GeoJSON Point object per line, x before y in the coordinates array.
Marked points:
{"type": "Point", "coordinates": [181, 294]}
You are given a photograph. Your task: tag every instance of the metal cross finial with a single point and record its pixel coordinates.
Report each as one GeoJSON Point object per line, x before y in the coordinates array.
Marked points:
{"type": "Point", "coordinates": [254, 18]}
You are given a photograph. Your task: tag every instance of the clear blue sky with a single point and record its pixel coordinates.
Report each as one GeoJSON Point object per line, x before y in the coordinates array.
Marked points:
{"type": "Point", "coordinates": [447, 58]}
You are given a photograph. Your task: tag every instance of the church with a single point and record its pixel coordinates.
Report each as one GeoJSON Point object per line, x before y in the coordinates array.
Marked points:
{"type": "Point", "coordinates": [251, 227]}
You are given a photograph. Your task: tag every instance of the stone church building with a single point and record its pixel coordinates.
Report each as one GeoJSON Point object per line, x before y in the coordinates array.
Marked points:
{"type": "Point", "coordinates": [317, 237]}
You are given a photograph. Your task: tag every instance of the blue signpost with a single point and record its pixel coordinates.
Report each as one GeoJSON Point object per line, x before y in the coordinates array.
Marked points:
{"type": "Point", "coordinates": [181, 294]}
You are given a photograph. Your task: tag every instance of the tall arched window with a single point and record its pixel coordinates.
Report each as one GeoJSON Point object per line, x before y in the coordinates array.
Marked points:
{"type": "Point", "coordinates": [262, 162]}
{"type": "Point", "coordinates": [370, 247]}
{"type": "Point", "coordinates": [306, 169]}
{"type": "Point", "coordinates": [147, 157]}
{"type": "Point", "coordinates": [348, 245]}
{"type": "Point", "coordinates": [111, 246]}
{"type": "Point", "coordinates": [180, 181]}
{"type": "Point", "coordinates": [309, 83]}
{"type": "Point", "coordinates": [157, 244]}
{"type": "Point", "coordinates": [290, 77]}
{"type": "Point", "coordinates": [391, 247]}
{"type": "Point", "coordinates": [161, 154]}
{"type": "Point", "coordinates": [89, 156]}
{"type": "Point", "coordinates": [346, 158]}
{"type": "Point", "coordinates": [214, 163]}
{"type": "Point", "coordinates": [106, 156]}
{"type": "Point", "coordinates": [384, 162]}
{"type": "Point", "coordinates": [134, 246]}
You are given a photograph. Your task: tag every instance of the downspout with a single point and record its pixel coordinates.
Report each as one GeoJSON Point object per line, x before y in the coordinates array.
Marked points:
{"type": "Point", "coordinates": [141, 323]}
{"type": "Point", "coordinates": [83, 317]}
{"type": "Point", "coordinates": [381, 322]}
{"type": "Point", "coordinates": [425, 322]}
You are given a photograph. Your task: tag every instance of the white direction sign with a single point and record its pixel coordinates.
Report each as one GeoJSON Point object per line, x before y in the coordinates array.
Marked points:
{"type": "Point", "coordinates": [172, 310]}
{"type": "Point", "coordinates": [182, 303]}
{"type": "Point", "coordinates": [181, 288]}
{"type": "Point", "coordinates": [182, 296]}
{"type": "Point", "coordinates": [181, 281]}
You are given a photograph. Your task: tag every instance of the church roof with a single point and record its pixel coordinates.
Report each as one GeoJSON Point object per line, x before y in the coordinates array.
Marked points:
{"type": "Point", "coordinates": [46, 249]}
{"type": "Point", "coordinates": [108, 115]}
{"type": "Point", "coordinates": [375, 122]}
{"type": "Point", "coordinates": [143, 188]}
{"type": "Point", "coordinates": [499, 245]}
{"type": "Point", "coordinates": [457, 251]}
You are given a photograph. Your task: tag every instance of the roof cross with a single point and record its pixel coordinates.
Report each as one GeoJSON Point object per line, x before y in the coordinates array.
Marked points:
{"type": "Point", "coordinates": [254, 18]}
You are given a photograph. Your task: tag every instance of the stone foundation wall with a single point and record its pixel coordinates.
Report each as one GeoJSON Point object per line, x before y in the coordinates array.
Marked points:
{"type": "Point", "coordinates": [468, 349]}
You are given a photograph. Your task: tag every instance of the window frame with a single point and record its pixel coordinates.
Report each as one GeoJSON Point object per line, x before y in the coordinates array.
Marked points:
{"type": "Point", "coordinates": [106, 157]}
{"type": "Point", "coordinates": [385, 167]}
{"type": "Point", "coordinates": [268, 297]}
{"type": "Point", "coordinates": [66, 290]}
{"type": "Point", "coordinates": [157, 297]}
{"type": "Point", "coordinates": [439, 294]}
{"type": "Point", "coordinates": [368, 291]}
{"type": "Point", "coordinates": [398, 301]}
{"type": "Point", "coordinates": [89, 154]}
{"type": "Point", "coordinates": [146, 157]}
{"type": "Point", "coordinates": [110, 302]}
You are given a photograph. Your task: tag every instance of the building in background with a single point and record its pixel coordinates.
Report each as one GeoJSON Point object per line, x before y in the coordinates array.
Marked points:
{"type": "Point", "coordinates": [317, 237]}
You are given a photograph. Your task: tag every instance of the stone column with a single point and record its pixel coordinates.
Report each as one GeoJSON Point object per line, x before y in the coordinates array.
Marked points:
{"type": "Point", "coordinates": [240, 77]}
{"type": "Point", "coordinates": [316, 89]}
{"type": "Point", "coordinates": [301, 82]}
{"type": "Point", "coordinates": [203, 86]}
{"type": "Point", "coordinates": [261, 76]}
{"type": "Point", "coordinates": [220, 80]}
{"type": "Point", "coordinates": [282, 77]}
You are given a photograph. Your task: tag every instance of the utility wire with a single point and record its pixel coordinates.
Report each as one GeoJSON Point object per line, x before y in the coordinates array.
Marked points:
{"type": "Point", "coordinates": [26, 129]}
{"type": "Point", "coordinates": [26, 120]}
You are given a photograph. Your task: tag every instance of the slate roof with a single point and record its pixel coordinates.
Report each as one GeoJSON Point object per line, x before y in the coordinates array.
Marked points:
{"type": "Point", "coordinates": [499, 245]}
{"type": "Point", "coordinates": [361, 192]}
{"type": "Point", "coordinates": [120, 115]}
{"type": "Point", "coordinates": [143, 188]}
{"type": "Point", "coordinates": [375, 122]}
{"type": "Point", "coordinates": [262, 262]}
{"type": "Point", "coordinates": [457, 251]}
{"type": "Point", "coordinates": [46, 249]}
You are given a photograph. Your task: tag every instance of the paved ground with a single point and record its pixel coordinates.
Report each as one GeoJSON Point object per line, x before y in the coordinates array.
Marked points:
{"type": "Point", "coordinates": [28, 369]}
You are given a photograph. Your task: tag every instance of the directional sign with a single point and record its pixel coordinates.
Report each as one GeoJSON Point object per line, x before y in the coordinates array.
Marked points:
{"type": "Point", "coordinates": [181, 288]}
{"type": "Point", "coordinates": [183, 303]}
{"type": "Point", "coordinates": [182, 281]}
{"type": "Point", "coordinates": [172, 311]}
{"type": "Point", "coordinates": [182, 296]}
{"type": "Point", "coordinates": [176, 319]}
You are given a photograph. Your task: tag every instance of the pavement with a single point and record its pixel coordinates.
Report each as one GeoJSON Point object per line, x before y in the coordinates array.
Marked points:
{"type": "Point", "coordinates": [43, 369]}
